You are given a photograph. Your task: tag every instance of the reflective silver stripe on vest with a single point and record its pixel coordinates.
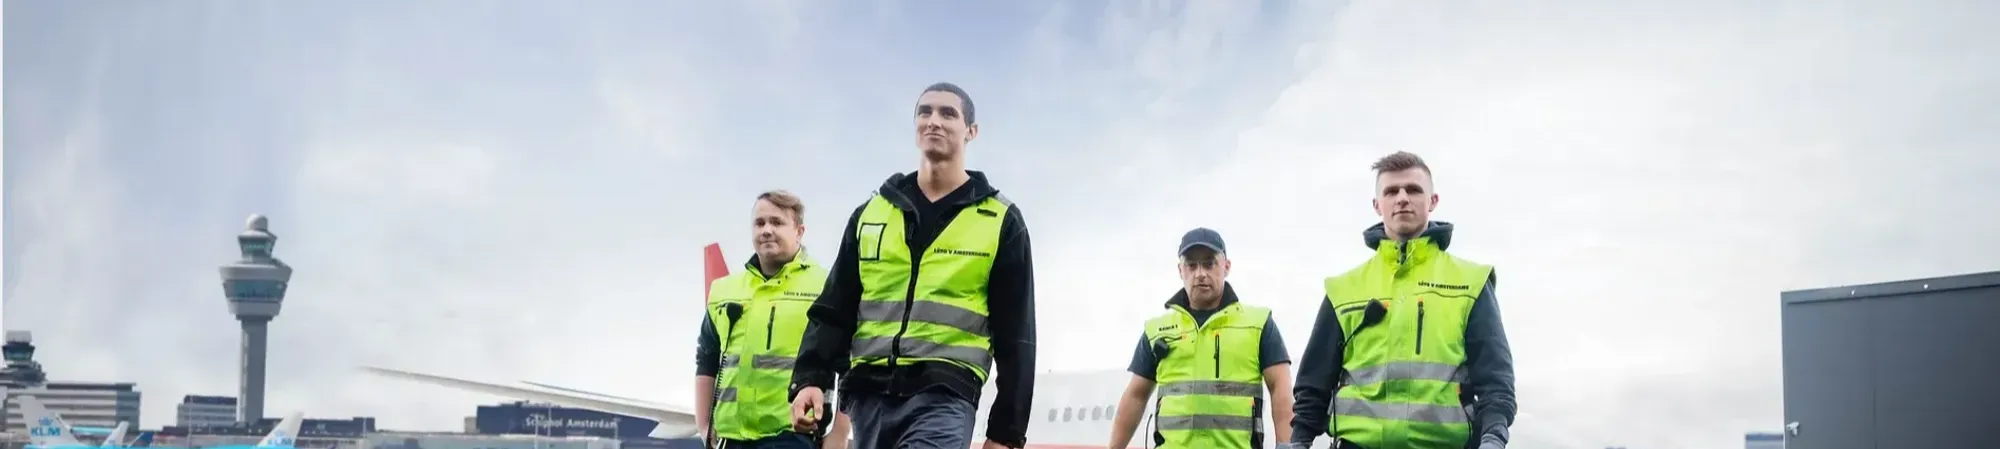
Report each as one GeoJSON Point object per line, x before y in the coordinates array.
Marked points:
{"type": "Point", "coordinates": [1440, 414]}
{"type": "Point", "coordinates": [1212, 388]}
{"type": "Point", "coordinates": [878, 347]}
{"type": "Point", "coordinates": [760, 361]}
{"type": "Point", "coordinates": [1208, 422]}
{"type": "Point", "coordinates": [927, 312]}
{"type": "Point", "coordinates": [1405, 371]}
{"type": "Point", "coordinates": [726, 395]}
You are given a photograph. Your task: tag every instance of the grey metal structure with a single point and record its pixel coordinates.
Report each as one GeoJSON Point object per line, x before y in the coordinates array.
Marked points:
{"type": "Point", "coordinates": [255, 286]}
{"type": "Point", "coordinates": [1905, 364]}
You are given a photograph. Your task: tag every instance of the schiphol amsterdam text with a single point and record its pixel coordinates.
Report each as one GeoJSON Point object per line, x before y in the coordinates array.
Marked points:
{"type": "Point", "coordinates": [547, 422]}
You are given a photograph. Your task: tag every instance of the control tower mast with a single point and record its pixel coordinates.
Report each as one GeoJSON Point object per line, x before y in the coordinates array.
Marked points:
{"type": "Point", "coordinates": [255, 286]}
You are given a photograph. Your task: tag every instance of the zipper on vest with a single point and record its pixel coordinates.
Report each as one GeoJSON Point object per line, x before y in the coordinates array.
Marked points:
{"type": "Point", "coordinates": [910, 223]}
{"type": "Point", "coordinates": [1420, 325]}
{"type": "Point", "coordinates": [1217, 338]}
{"type": "Point", "coordinates": [770, 326]}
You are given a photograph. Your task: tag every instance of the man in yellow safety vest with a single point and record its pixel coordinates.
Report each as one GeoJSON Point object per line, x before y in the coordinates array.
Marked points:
{"type": "Point", "coordinates": [1213, 357]}
{"type": "Point", "coordinates": [1408, 351]}
{"type": "Point", "coordinates": [932, 288]}
{"type": "Point", "coordinates": [750, 335]}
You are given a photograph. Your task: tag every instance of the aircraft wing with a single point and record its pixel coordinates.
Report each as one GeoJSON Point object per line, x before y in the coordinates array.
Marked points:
{"type": "Point", "coordinates": [634, 401]}
{"type": "Point", "coordinates": [675, 421]}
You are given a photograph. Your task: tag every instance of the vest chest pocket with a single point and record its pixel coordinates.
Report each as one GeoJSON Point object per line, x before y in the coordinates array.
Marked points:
{"type": "Point", "coordinates": [1374, 328]}
{"type": "Point", "coordinates": [1175, 353]}
{"type": "Point", "coordinates": [1172, 343]}
{"type": "Point", "coordinates": [787, 324]}
{"type": "Point", "coordinates": [1235, 350]}
{"type": "Point", "coordinates": [1441, 322]}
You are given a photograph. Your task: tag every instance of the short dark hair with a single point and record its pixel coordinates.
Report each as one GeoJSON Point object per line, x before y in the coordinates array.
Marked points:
{"type": "Point", "coordinates": [1399, 161]}
{"type": "Point", "coordinates": [963, 99]}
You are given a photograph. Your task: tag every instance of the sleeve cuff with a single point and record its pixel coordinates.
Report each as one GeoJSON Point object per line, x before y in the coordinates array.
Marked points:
{"type": "Point", "coordinates": [1009, 441]}
{"type": "Point", "coordinates": [808, 381]}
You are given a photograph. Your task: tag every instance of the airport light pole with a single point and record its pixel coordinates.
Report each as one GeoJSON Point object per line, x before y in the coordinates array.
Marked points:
{"type": "Point", "coordinates": [255, 286]}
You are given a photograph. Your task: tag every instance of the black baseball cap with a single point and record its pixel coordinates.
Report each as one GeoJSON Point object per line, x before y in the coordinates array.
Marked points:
{"type": "Point", "coordinates": [1202, 237]}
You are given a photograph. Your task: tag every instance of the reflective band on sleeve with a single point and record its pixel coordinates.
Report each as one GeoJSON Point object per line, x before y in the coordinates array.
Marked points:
{"type": "Point", "coordinates": [760, 361]}
{"type": "Point", "coordinates": [726, 395]}
{"type": "Point", "coordinates": [879, 347]}
{"type": "Point", "coordinates": [1212, 388]}
{"type": "Point", "coordinates": [1440, 414]}
{"type": "Point", "coordinates": [1405, 371]}
{"type": "Point", "coordinates": [1207, 422]}
{"type": "Point", "coordinates": [927, 312]}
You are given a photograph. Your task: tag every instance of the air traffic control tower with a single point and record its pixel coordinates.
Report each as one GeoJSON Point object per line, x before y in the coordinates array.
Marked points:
{"type": "Point", "coordinates": [255, 286]}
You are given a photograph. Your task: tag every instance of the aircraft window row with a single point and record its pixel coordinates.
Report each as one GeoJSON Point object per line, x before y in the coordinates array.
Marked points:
{"type": "Point", "coordinates": [1098, 413]}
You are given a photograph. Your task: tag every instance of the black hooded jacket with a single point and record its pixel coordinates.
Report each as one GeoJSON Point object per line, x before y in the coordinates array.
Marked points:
{"type": "Point", "coordinates": [1010, 314]}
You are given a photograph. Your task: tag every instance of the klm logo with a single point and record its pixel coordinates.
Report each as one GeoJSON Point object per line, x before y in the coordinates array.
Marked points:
{"type": "Point", "coordinates": [45, 428]}
{"type": "Point", "coordinates": [280, 439]}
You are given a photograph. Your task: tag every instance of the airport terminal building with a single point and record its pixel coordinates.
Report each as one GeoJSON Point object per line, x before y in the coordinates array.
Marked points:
{"type": "Point", "coordinates": [526, 418]}
{"type": "Point", "coordinates": [517, 425]}
{"type": "Point", "coordinates": [205, 411]}
{"type": "Point", "coordinates": [209, 421]}
{"type": "Point", "coordinates": [92, 404]}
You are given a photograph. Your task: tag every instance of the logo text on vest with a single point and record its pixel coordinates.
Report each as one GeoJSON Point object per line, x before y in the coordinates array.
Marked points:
{"type": "Point", "coordinates": [963, 252]}
{"type": "Point", "coordinates": [1444, 286]}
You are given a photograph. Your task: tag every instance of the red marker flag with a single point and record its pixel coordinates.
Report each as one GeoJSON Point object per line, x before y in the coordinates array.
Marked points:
{"type": "Point", "coordinates": [715, 268]}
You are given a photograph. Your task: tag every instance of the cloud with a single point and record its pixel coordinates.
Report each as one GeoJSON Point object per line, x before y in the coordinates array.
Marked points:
{"type": "Point", "coordinates": [519, 193]}
{"type": "Point", "coordinates": [1646, 177]}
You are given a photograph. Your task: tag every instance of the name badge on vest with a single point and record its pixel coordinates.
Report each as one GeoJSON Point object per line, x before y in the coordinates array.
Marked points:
{"type": "Point", "coordinates": [870, 236]}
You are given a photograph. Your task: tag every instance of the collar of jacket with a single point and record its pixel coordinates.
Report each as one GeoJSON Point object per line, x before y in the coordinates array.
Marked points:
{"type": "Point", "coordinates": [799, 262]}
{"type": "Point", "coordinates": [1181, 298]}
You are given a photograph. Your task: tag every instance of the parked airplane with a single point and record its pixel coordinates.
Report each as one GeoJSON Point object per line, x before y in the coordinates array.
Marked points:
{"type": "Point", "coordinates": [117, 436]}
{"type": "Point", "coordinates": [47, 430]}
{"type": "Point", "coordinates": [145, 439]}
{"type": "Point", "coordinates": [54, 432]}
{"type": "Point", "coordinates": [282, 436]}
{"type": "Point", "coordinates": [112, 436]}
{"type": "Point", "coordinates": [1074, 409]}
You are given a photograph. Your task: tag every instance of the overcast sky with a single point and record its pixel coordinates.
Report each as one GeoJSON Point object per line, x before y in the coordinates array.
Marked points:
{"type": "Point", "coordinates": [518, 190]}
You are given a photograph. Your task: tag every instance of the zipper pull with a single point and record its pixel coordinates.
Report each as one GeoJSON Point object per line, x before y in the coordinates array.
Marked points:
{"type": "Point", "coordinates": [1217, 353]}
{"type": "Point", "coordinates": [1420, 325]}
